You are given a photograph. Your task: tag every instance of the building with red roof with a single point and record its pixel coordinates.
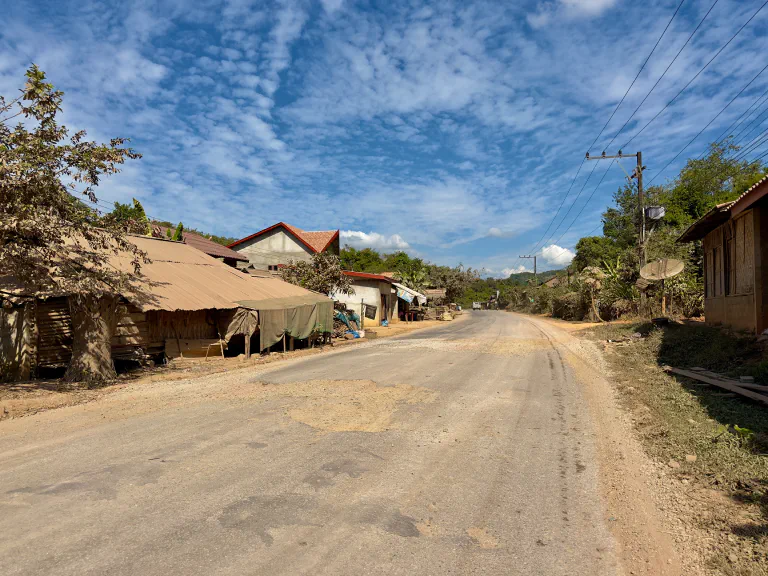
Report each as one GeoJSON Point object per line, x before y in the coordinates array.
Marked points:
{"type": "Point", "coordinates": [229, 257]}
{"type": "Point", "coordinates": [282, 243]}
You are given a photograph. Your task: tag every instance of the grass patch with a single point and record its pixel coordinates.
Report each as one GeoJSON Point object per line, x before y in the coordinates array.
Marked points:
{"type": "Point", "coordinates": [677, 417]}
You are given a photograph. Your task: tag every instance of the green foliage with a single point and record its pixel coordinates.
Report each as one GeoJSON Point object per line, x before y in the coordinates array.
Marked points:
{"type": "Point", "coordinates": [593, 250]}
{"type": "Point", "coordinates": [701, 185]}
{"type": "Point", "coordinates": [178, 234]}
{"type": "Point", "coordinates": [413, 272]}
{"type": "Point", "coordinates": [365, 260]}
{"type": "Point", "coordinates": [223, 240]}
{"type": "Point", "coordinates": [44, 171]}
{"type": "Point", "coordinates": [323, 274]}
{"type": "Point", "coordinates": [131, 216]}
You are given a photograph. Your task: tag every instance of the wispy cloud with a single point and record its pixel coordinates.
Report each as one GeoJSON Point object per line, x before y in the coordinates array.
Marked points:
{"type": "Point", "coordinates": [455, 126]}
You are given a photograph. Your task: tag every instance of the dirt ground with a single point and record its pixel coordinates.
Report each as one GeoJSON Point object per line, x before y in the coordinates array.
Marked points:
{"type": "Point", "coordinates": [707, 491]}
{"type": "Point", "coordinates": [18, 399]}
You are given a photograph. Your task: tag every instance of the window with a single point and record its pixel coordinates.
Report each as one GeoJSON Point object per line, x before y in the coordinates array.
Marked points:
{"type": "Point", "coordinates": [274, 267]}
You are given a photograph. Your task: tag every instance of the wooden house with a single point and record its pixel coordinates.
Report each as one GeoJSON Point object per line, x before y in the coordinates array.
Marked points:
{"type": "Point", "coordinates": [183, 303]}
{"type": "Point", "coordinates": [734, 238]}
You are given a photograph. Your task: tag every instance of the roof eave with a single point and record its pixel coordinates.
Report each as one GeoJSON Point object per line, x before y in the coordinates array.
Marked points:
{"type": "Point", "coordinates": [704, 225]}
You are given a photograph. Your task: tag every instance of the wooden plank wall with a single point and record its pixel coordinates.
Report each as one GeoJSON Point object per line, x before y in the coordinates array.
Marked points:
{"type": "Point", "coordinates": [54, 333]}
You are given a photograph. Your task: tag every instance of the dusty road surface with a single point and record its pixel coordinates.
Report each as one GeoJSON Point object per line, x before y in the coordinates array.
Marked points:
{"type": "Point", "coordinates": [465, 449]}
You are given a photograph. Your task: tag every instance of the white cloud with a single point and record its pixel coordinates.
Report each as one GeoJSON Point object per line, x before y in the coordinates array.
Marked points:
{"type": "Point", "coordinates": [332, 6]}
{"type": "Point", "coordinates": [557, 256]}
{"type": "Point", "coordinates": [547, 11]}
{"type": "Point", "coordinates": [374, 240]}
{"type": "Point", "coordinates": [506, 272]}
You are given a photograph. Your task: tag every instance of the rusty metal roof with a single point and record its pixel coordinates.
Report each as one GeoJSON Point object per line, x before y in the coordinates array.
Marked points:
{"type": "Point", "coordinates": [704, 225]}
{"type": "Point", "coordinates": [180, 277]}
{"type": "Point", "coordinates": [367, 276]}
{"type": "Point", "coordinates": [201, 243]}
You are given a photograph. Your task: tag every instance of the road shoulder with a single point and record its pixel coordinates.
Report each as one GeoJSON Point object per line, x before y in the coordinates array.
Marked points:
{"type": "Point", "coordinates": [628, 478]}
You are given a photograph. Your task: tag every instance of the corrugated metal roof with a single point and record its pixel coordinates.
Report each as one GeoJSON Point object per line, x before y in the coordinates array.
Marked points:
{"type": "Point", "coordinates": [183, 278]}
{"type": "Point", "coordinates": [751, 195]}
{"type": "Point", "coordinates": [201, 243]}
{"type": "Point", "coordinates": [704, 225]}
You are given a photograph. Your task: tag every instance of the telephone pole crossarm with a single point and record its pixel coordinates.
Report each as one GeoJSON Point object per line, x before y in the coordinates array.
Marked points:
{"type": "Point", "coordinates": [535, 276]}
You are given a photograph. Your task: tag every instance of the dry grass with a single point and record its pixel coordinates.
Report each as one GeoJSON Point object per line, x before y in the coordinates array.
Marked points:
{"type": "Point", "coordinates": [676, 417]}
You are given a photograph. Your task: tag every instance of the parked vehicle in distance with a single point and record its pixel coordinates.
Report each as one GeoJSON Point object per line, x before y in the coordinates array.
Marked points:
{"type": "Point", "coordinates": [475, 305]}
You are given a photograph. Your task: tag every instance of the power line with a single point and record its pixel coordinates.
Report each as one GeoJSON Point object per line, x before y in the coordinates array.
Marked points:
{"type": "Point", "coordinates": [640, 72]}
{"type": "Point", "coordinates": [588, 200]}
{"type": "Point", "coordinates": [738, 121]}
{"type": "Point", "coordinates": [535, 246]}
{"type": "Point", "coordinates": [751, 127]}
{"type": "Point", "coordinates": [723, 109]}
{"type": "Point", "coordinates": [663, 74]}
{"type": "Point", "coordinates": [753, 145]}
{"type": "Point", "coordinates": [562, 203]}
{"type": "Point", "coordinates": [697, 74]}
{"type": "Point", "coordinates": [574, 201]}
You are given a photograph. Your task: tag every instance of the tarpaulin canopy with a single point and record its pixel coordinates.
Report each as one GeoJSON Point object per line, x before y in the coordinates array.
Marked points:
{"type": "Point", "coordinates": [297, 316]}
{"type": "Point", "coordinates": [409, 295]}
{"type": "Point", "coordinates": [244, 322]}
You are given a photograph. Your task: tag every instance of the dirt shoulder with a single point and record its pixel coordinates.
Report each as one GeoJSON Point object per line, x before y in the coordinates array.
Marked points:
{"type": "Point", "coordinates": [707, 482]}
{"type": "Point", "coordinates": [19, 399]}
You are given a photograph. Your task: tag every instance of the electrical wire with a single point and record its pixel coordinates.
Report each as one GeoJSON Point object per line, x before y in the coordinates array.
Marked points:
{"type": "Point", "coordinates": [640, 72]}
{"type": "Point", "coordinates": [724, 134]}
{"type": "Point", "coordinates": [723, 109]}
{"type": "Point", "coordinates": [663, 74]}
{"type": "Point", "coordinates": [668, 104]}
{"type": "Point", "coordinates": [562, 203]}
{"type": "Point", "coordinates": [574, 201]}
{"type": "Point", "coordinates": [588, 200]}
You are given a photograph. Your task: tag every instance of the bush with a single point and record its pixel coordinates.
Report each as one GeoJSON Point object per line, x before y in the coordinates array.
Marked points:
{"type": "Point", "coordinates": [569, 306]}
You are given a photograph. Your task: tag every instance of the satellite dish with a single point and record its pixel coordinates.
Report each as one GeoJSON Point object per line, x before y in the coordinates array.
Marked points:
{"type": "Point", "coordinates": [661, 269]}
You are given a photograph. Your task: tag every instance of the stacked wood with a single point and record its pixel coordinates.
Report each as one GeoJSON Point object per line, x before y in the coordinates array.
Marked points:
{"type": "Point", "coordinates": [753, 391]}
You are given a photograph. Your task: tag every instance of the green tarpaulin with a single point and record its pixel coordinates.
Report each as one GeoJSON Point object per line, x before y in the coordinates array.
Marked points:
{"type": "Point", "coordinates": [297, 316]}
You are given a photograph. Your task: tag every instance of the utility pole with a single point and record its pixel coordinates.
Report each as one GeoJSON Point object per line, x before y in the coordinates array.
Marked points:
{"type": "Point", "coordinates": [535, 277]}
{"type": "Point", "coordinates": [636, 174]}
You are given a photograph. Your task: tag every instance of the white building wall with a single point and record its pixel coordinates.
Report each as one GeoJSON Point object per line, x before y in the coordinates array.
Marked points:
{"type": "Point", "coordinates": [273, 248]}
{"type": "Point", "coordinates": [369, 292]}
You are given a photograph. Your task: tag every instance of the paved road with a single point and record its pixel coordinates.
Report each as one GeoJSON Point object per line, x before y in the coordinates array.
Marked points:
{"type": "Point", "coordinates": [472, 454]}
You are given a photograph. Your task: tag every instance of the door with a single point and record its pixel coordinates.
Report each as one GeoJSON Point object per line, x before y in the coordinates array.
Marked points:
{"type": "Point", "coordinates": [384, 309]}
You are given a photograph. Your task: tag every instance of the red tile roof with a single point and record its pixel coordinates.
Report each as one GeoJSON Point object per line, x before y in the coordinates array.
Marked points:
{"type": "Point", "coordinates": [315, 241]}
{"type": "Point", "coordinates": [201, 243]}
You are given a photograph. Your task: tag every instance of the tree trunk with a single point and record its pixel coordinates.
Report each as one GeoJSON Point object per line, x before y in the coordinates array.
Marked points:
{"type": "Point", "coordinates": [93, 323]}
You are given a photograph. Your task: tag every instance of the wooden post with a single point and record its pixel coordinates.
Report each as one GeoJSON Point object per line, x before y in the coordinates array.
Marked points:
{"type": "Point", "coordinates": [283, 342]}
{"type": "Point", "coordinates": [247, 346]}
{"type": "Point", "coordinates": [290, 344]}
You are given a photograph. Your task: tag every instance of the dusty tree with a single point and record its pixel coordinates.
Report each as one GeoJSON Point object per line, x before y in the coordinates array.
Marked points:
{"type": "Point", "coordinates": [322, 274]}
{"type": "Point", "coordinates": [51, 241]}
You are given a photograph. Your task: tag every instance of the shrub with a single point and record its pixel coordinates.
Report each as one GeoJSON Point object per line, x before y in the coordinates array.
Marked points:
{"type": "Point", "coordinates": [569, 306]}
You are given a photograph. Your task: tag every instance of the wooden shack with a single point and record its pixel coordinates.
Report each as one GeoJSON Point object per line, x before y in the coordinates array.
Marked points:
{"type": "Point", "coordinates": [184, 302]}
{"type": "Point", "coordinates": [734, 238]}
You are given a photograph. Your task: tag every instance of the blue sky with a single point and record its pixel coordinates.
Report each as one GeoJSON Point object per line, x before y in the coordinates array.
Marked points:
{"type": "Point", "coordinates": [451, 130]}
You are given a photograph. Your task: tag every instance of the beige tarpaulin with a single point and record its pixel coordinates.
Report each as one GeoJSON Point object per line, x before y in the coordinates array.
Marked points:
{"type": "Point", "coordinates": [244, 322]}
{"type": "Point", "coordinates": [297, 316]}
